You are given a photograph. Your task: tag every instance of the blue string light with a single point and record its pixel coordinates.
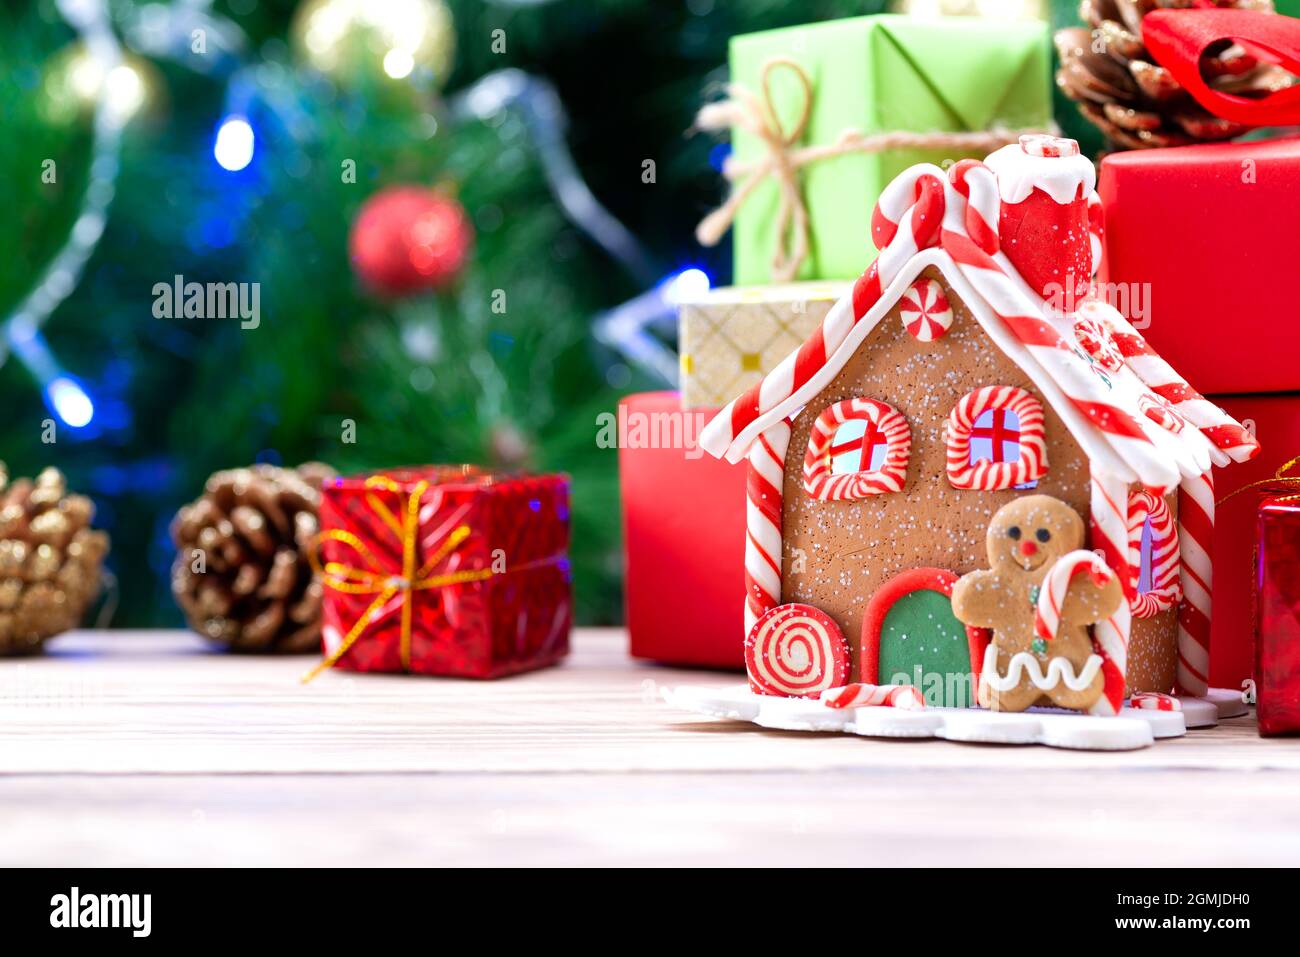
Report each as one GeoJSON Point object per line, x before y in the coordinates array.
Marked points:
{"type": "Point", "coordinates": [627, 328]}
{"type": "Point", "coordinates": [686, 285]}
{"type": "Point", "coordinates": [70, 402]}
{"type": "Point", "coordinates": [718, 156]}
{"type": "Point", "coordinates": [20, 330]}
{"type": "Point", "coordinates": [63, 394]}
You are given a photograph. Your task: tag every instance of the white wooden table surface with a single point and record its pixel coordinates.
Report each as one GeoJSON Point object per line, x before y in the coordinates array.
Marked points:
{"type": "Point", "coordinates": [123, 748]}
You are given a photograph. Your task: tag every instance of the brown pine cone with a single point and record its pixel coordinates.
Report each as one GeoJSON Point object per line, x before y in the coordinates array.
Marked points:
{"type": "Point", "coordinates": [1138, 104]}
{"type": "Point", "coordinates": [242, 575]}
{"type": "Point", "coordinates": [50, 559]}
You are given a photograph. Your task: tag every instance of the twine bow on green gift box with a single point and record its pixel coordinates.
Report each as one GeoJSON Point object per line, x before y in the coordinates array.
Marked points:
{"type": "Point", "coordinates": [784, 160]}
{"type": "Point", "coordinates": [964, 89]}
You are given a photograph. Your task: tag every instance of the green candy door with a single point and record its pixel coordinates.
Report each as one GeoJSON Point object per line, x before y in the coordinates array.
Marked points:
{"type": "Point", "coordinates": [910, 636]}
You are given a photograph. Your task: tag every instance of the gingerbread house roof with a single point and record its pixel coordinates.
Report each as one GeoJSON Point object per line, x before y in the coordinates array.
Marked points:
{"type": "Point", "coordinates": [1130, 412]}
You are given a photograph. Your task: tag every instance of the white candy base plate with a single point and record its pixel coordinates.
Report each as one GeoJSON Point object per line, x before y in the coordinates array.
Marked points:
{"type": "Point", "coordinates": [1131, 729]}
{"type": "Point", "coordinates": [1226, 701]}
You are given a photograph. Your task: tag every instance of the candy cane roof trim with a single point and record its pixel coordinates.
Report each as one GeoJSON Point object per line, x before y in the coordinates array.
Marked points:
{"type": "Point", "coordinates": [1156, 458]}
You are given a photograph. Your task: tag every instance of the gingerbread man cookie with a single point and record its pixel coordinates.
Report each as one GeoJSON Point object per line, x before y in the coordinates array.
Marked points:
{"type": "Point", "coordinates": [1039, 595]}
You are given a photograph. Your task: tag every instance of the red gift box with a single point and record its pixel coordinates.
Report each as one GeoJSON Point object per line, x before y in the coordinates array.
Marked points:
{"type": "Point", "coordinates": [683, 536]}
{"type": "Point", "coordinates": [1275, 421]}
{"type": "Point", "coordinates": [1200, 248]}
{"type": "Point", "coordinates": [1277, 618]}
{"type": "Point", "coordinates": [445, 570]}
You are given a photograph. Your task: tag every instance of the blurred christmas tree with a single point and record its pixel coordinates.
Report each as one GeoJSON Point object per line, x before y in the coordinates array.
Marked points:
{"type": "Point", "coordinates": [252, 133]}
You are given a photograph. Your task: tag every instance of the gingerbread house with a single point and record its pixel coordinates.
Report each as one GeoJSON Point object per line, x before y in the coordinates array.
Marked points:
{"type": "Point", "coordinates": [967, 367]}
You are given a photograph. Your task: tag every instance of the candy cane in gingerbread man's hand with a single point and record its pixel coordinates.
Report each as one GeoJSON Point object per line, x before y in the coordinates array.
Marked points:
{"type": "Point", "coordinates": [1080, 587]}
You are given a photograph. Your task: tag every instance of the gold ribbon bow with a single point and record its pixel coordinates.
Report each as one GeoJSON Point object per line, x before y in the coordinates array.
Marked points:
{"type": "Point", "coordinates": [745, 110]}
{"type": "Point", "coordinates": [373, 580]}
{"type": "Point", "coordinates": [1280, 481]}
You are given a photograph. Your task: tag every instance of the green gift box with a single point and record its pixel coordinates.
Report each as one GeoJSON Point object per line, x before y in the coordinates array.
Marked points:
{"type": "Point", "coordinates": [876, 74]}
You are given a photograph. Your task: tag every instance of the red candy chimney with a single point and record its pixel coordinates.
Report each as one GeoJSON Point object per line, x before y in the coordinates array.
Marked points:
{"type": "Point", "coordinates": [1045, 185]}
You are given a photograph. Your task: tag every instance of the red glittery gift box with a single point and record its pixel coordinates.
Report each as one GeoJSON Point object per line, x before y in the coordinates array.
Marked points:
{"type": "Point", "coordinates": [1277, 616]}
{"type": "Point", "coordinates": [1275, 421]}
{"type": "Point", "coordinates": [445, 570]}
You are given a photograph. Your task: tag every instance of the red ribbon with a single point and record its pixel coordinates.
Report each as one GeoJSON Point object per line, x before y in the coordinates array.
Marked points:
{"type": "Point", "coordinates": [1179, 38]}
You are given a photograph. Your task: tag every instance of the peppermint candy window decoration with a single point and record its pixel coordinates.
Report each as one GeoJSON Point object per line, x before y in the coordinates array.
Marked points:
{"type": "Point", "coordinates": [996, 440]}
{"type": "Point", "coordinates": [858, 448]}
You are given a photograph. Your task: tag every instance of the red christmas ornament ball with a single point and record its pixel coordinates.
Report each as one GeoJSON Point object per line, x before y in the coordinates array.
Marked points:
{"type": "Point", "coordinates": [409, 239]}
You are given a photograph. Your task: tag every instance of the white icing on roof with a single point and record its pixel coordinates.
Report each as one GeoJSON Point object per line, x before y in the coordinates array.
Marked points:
{"type": "Point", "coordinates": [1058, 176]}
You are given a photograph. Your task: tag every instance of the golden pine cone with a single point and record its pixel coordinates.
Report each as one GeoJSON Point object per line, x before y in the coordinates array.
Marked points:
{"type": "Point", "coordinates": [50, 559]}
{"type": "Point", "coordinates": [242, 574]}
{"type": "Point", "coordinates": [1108, 71]}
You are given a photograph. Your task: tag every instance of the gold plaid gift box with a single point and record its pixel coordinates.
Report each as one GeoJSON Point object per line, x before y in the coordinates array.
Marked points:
{"type": "Point", "coordinates": [729, 338]}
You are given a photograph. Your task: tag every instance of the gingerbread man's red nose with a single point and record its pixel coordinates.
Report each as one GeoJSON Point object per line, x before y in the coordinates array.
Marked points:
{"type": "Point", "coordinates": [1028, 548]}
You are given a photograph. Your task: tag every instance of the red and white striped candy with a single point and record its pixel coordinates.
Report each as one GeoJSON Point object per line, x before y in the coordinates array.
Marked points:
{"type": "Point", "coordinates": [910, 211]}
{"type": "Point", "coordinates": [1108, 511]}
{"type": "Point", "coordinates": [874, 696]}
{"type": "Point", "coordinates": [1232, 441]}
{"type": "Point", "coordinates": [1196, 547]}
{"type": "Point", "coordinates": [1094, 338]}
{"type": "Point", "coordinates": [986, 474]}
{"type": "Point", "coordinates": [818, 479]}
{"type": "Point", "coordinates": [925, 310]}
{"type": "Point", "coordinates": [1051, 596]}
{"type": "Point", "coordinates": [764, 487]}
{"type": "Point", "coordinates": [1159, 412]}
{"type": "Point", "coordinates": [796, 651]}
{"type": "Point", "coordinates": [975, 183]}
{"type": "Point", "coordinates": [1165, 589]}
{"type": "Point", "coordinates": [1044, 144]}
{"type": "Point", "coordinates": [1154, 701]}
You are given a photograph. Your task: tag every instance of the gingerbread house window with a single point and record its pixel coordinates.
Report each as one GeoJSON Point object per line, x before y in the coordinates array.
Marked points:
{"type": "Point", "coordinates": [1144, 561]}
{"type": "Point", "coordinates": [858, 448]}
{"type": "Point", "coordinates": [1153, 555]}
{"type": "Point", "coordinates": [996, 440]}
